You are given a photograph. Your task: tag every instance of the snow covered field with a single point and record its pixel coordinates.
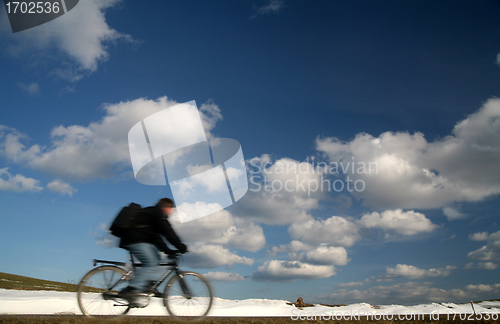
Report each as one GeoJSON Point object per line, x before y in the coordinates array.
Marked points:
{"type": "Point", "coordinates": [54, 302]}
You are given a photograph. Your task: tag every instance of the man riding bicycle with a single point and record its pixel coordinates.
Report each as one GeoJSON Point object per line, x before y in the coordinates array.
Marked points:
{"type": "Point", "coordinates": [145, 241]}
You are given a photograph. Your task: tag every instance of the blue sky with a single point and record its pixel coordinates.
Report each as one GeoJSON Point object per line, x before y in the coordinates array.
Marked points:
{"type": "Point", "coordinates": [411, 87]}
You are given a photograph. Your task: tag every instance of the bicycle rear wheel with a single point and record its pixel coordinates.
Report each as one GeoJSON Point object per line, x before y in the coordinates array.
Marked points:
{"type": "Point", "coordinates": [97, 292]}
{"type": "Point", "coordinates": [188, 296]}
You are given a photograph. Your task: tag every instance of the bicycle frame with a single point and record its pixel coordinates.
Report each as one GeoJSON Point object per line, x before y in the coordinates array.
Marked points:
{"type": "Point", "coordinates": [174, 268]}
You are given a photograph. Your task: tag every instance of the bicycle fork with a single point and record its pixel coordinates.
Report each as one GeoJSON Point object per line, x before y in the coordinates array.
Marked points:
{"type": "Point", "coordinates": [185, 289]}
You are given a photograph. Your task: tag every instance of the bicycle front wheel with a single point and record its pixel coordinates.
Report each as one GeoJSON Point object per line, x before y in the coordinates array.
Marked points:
{"type": "Point", "coordinates": [97, 292]}
{"type": "Point", "coordinates": [188, 296]}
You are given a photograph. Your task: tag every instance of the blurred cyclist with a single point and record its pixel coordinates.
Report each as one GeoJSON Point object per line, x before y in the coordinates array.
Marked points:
{"type": "Point", "coordinates": [145, 241]}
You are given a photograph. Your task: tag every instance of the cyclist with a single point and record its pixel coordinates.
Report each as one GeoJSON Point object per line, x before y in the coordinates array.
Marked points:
{"type": "Point", "coordinates": [145, 241]}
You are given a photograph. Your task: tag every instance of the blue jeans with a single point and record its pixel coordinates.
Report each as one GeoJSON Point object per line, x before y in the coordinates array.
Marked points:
{"type": "Point", "coordinates": [149, 256]}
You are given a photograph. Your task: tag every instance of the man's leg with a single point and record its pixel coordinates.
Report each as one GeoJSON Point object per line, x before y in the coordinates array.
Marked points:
{"type": "Point", "coordinates": [149, 257]}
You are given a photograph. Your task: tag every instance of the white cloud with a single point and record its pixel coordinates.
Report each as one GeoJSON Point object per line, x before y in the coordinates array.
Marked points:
{"type": "Point", "coordinates": [351, 284]}
{"type": "Point", "coordinates": [84, 153]}
{"type": "Point", "coordinates": [293, 246]}
{"type": "Point", "coordinates": [278, 192]}
{"type": "Point", "coordinates": [286, 271]}
{"type": "Point", "coordinates": [414, 173]}
{"type": "Point", "coordinates": [334, 230]}
{"type": "Point", "coordinates": [490, 251]}
{"type": "Point", "coordinates": [487, 265]}
{"type": "Point", "coordinates": [273, 208]}
{"type": "Point", "coordinates": [453, 214]}
{"type": "Point", "coordinates": [341, 231]}
{"type": "Point", "coordinates": [469, 265]}
{"type": "Point", "coordinates": [273, 6]}
{"type": "Point", "coordinates": [481, 236]}
{"type": "Point", "coordinates": [401, 294]}
{"type": "Point", "coordinates": [481, 265]}
{"type": "Point", "coordinates": [498, 59]}
{"type": "Point", "coordinates": [412, 272]}
{"type": "Point", "coordinates": [222, 228]}
{"type": "Point", "coordinates": [61, 187]}
{"type": "Point", "coordinates": [31, 89]}
{"type": "Point", "coordinates": [210, 115]}
{"type": "Point", "coordinates": [210, 256]}
{"type": "Point", "coordinates": [103, 237]}
{"type": "Point", "coordinates": [18, 182]}
{"type": "Point", "coordinates": [288, 175]}
{"type": "Point", "coordinates": [483, 287]}
{"type": "Point", "coordinates": [76, 42]}
{"type": "Point", "coordinates": [322, 255]}
{"type": "Point", "coordinates": [398, 222]}
{"type": "Point", "coordinates": [224, 276]}
{"type": "Point", "coordinates": [12, 148]}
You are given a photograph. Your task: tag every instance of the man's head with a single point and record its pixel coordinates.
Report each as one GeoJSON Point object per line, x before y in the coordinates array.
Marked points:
{"type": "Point", "coordinates": [166, 205]}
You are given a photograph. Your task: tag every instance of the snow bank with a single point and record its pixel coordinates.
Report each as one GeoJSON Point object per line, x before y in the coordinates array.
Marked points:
{"type": "Point", "coordinates": [55, 302]}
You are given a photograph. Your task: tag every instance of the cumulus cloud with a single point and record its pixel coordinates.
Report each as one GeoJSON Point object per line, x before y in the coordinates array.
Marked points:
{"type": "Point", "coordinates": [323, 255]}
{"type": "Point", "coordinates": [414, 173]}
{"type": "Point", "coordinates": [334, 230]}
{"type": "Point", "coordinates": [481, 265]}
{"type": "Point", "coordinates": [402, 294]}
{"type": "Point", "coordinates": [487, 265]}
{"type": "Point", "coordinates": [286, 174]}
{"type": "Point", "coordinates": [342, 231]}
{"type": "Point", "coordinates": [75, 42]}
{"type": "Point", "coordinates": [210, 115]}
{"type": "Point", "coordinates": [278, 192]}
{"type": "Point", "coordinates": [398, 222]}
{"type": "Point", "coordinates": [222, 228]}
{"type": "Point", "coordinates": [322, 242]}
{"type": "Point", "coordinates": [224, 276]}
{"type": "Point", "coordinates": [84, 153]}
{"type": "Point", "coordinates": [453, 214]}
{"type": "Point", "coordinates": [351, 284]}
{"type": "Point", "coordinates": [273, 208]}
{"type": "Point", "coordinates": [209, 256]}
{"type": "Point", "coordinates": [293, 246]}
{"type": "Point", "coordinates": [483, 288]}
{"type": "Point", "coordinates": [490, 251]}
{"type": "Point", "coordinates": [31, 89]}
{"type": "Point", "coordinates": [287, 271]}
{"type": "Point", "coordinates": [498, 59]}
{"type": "Point", "coordinates": [12, 148]}
{"type": "Point", "coordinates": [61, 187]}
{"type": "Point", "coordinates": [103, 237]}
{"type": "Point", "coordinates": [480, 236]}
{"type": "Point", "coordinates": [412, 272]}
{"type": "Point", "coordinates": [272, 7]}
{"type": "Point", "coordinates": [18, 182]}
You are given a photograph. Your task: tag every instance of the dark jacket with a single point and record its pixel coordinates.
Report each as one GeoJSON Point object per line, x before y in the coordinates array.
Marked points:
{"type": "Point", "coordinates": [152, 224]}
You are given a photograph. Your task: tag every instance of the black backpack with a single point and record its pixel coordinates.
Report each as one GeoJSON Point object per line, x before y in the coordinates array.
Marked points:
{"type": "Point", "coordinates": [126, 220]}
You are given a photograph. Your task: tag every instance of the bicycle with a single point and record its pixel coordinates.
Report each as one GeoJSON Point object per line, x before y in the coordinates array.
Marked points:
{"type": "Point", "coordinates": [187, 296]}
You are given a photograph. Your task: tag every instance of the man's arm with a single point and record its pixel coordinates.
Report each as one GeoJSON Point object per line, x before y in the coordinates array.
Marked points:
{"type": "Point", "coordinates": [168, 232]}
